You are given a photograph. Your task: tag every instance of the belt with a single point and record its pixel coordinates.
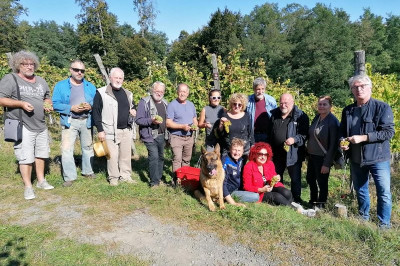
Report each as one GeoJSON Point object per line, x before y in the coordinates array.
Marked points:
{"type": "Point", "coordinates": [183, 136]}
{"type": "Point", "coordinates": [79, 118]}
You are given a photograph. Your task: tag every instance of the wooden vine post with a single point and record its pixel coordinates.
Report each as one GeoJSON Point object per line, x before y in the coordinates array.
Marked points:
{"type": "Point", "coordinates": [359, 62]}
{"type": "Point", "coordinates": [215, 74]}
{"type": "Point", "coordinates": [102, 68]}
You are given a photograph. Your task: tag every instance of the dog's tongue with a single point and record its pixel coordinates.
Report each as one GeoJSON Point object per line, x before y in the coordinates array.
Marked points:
{"type": "Point", "coordinates": [213, 172]}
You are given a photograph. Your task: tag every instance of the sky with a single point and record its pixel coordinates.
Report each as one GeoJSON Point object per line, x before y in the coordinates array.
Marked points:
{"type": "Point", "coordinates": [191, 15]}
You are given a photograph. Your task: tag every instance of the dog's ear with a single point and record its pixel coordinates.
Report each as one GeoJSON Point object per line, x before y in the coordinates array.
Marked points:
{"type": "Point", "coordinates": [203, 150]}
{"type": "Point", "coordinates": [217, 149]}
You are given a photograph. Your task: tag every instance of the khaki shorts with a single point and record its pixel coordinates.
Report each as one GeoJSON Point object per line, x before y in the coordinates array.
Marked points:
{"type": "Point", "coordinates": [33, 145]}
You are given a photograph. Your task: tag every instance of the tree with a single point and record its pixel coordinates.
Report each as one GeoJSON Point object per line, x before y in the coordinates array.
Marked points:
{"type": "Point", "coordinates": [371, 37]}
{"type": "Point", "coordinates": [57, 43]}
{"type": "Point", "coordinates": [11, 39]}
{"type": "Point", "coordinates": [147, 14]}
{"type": "Point", "coordinates": [323, 52]}
{"type": "Point", "coordinates": [97, 32]}
{"type": "Point", "coordinates": [266, 38]}
{"type": "Point", "coordinates": [223, 33]}
{"type": "Point", "coordinates": [392, 45]}
{"type": "Point", "coordinates": [133, 55]}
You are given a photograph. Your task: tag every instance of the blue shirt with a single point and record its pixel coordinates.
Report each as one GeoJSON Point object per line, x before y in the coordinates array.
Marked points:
{"type": "Point", "coordinates": [181, 114]}
{"type": "Point", "coordinates": [233, 174]}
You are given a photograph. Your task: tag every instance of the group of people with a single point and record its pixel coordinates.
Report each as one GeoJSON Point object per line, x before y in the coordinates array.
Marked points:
{"type": "Point", "coordinates": [259, 139]}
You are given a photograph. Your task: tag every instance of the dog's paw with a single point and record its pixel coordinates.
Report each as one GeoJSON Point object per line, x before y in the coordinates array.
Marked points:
{"type": "Point", "coordinates": [222, 207]}
{"type": "Point", "coordinates": [211, 208]}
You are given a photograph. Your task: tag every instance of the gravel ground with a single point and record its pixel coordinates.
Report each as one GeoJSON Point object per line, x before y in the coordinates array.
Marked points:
{"type": "Point", "coordinates": [138, 234]}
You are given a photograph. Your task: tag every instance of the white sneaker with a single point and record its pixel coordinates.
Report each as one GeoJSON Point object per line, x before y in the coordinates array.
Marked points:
{"type": "Point", "coordinates": [29, 194]}
{"type": "Point", "coordinates": [44, 185]}
{"type": "Point", "coordinates": [309, 212]}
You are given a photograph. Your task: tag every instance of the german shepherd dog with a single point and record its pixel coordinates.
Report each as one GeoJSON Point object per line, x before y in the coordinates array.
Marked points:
{"type": "Point", "coordinates": [212, 177]}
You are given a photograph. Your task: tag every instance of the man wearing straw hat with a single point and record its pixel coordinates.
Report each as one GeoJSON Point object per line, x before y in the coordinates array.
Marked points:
{"type": "Point", "coordinates": [73, 99]}
{"type": "Point", "coordinates": [112, 108]}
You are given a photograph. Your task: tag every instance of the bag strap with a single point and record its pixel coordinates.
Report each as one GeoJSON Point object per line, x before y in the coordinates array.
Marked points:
{"type": "Point", "coordinates": [315, 136]}
{"type": "Point", "coordinates": [18, 96]}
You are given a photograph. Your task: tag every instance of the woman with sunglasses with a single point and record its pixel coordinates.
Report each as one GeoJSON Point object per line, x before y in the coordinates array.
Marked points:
{"type": "Point", "coordinates": [258, 174]}
{"type": "Point", "coordinates": [209, 115]}
{"type": "Point", "coordinates": [235, 123]}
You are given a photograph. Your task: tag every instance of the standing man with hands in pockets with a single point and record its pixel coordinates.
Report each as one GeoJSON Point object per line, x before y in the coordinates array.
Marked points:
{"type": "Point", "coordinates": [73, 99]}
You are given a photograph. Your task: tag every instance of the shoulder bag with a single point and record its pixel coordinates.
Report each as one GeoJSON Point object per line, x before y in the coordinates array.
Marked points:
{"type": "Point", "coordinates": [13, 127]}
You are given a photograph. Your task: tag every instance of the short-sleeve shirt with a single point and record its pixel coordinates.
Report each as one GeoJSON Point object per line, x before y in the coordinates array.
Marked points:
{"type": "Point", "coordinates": [33, 93]}
{"type": "Point", "coordinates": [181, 114]}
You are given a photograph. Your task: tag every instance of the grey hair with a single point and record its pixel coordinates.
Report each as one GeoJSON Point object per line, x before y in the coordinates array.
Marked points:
{"type": "Point", "coordinates": [155, 84]}
{"type": "Point", "coordinates": [182, 84]}
{"type": "Point", "coordinates": [362, 77]}
{"type": "Point", "coordinates": [259, 81]}
{"type": "Point", "coordinates": [77, 61]}
{"type": "Point", "coordinates": [114, 69]}
{"type": "Point", "coordinates": [20, 57]}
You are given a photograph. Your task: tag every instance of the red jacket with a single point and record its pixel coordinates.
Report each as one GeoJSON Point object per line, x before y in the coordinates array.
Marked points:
{"type": "Point", "coordinates": [252, 178]}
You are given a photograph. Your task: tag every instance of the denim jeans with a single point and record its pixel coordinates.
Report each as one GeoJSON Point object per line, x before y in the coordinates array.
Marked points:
{"type": "Point", "coordinates": [155, 150]}
{"type": "Point", "coordinates": [246, 196]}
{"type": "Point", "coordinates": [68, 136]}
{"type": "Point", "coordinates": [381, 174]}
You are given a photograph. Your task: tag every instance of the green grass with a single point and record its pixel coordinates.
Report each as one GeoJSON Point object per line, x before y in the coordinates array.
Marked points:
{"type": "Point", "coordinates": [37, 246]}
{"type": "Point", "coordinates": [324, 239]}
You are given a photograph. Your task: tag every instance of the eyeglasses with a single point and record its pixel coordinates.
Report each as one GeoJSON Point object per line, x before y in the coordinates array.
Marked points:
{"type": "Point", "coordinates": [361, 87]}
{"type": "Point", "coordinates": [215, 97]}
{"type": "Point", "coordinates": [237, 104]}
{"type": "Point", "coordinates": [159, 92]}
{"type": "Point", "coordinates": [260, 154]}
{"type": "Point", "coordinates": [78, 70]}
{"type": "Point", "coordinates": [28, 64]}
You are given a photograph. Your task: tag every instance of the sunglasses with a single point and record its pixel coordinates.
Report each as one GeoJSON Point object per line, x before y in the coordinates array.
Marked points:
{"type": "Point", "coordinates": [260, 154]}
{"type": "Point", "coordinates": [215, 97]}
{"type": "Point", "coordinates": [237, 104]}
{"type": "Point", "coordinates": [78, 70]}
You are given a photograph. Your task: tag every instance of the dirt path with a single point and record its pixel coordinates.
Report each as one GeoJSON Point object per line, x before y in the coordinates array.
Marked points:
{"type": "Point", "coordinates": [137, 233]}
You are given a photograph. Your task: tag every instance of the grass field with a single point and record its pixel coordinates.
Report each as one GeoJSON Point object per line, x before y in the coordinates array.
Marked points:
{"type": "Point", "coordinates": [280, 231]}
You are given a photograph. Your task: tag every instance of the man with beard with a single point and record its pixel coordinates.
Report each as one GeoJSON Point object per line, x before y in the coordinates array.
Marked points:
{"type": "Point", "coordinates": [112, 107]}
{"type": "Point", "coordinates": [288, 134]}
{"type": "Point", "coordinates": [151, 117]}
{"type": "Point", "coordinates": [33, 103]}
{"type": "Point", "coordinates": [73, 99]}
{"type": "Point", "coordinates": [259, 108]}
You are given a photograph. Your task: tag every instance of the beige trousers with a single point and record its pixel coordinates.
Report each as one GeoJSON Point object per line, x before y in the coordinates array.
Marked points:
{"type": "Point", "coordinates": [119, 165]}
{"type": "Point", "coordinates": [182, 149]}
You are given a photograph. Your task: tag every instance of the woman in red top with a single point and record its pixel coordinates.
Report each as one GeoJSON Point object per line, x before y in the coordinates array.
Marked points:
{"type": "Point", "coordinates": [258, 174]}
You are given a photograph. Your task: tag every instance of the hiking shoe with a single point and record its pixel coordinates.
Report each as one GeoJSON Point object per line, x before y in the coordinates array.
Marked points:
{"type": "Point", "coordinates": [44, 185]}
{"type": "Point", "coordinates": [68, 183]}
{"type": "Point", "coordinates": [308, 212]}
{"type": "Point", "coordinates": [114, 182]}
{"type": "Point", "coordinates": [90, 176]}
{"type": "Point", "coordinates": [129, 181]}
{"type": "Point", "coordinates": [29, 194]}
